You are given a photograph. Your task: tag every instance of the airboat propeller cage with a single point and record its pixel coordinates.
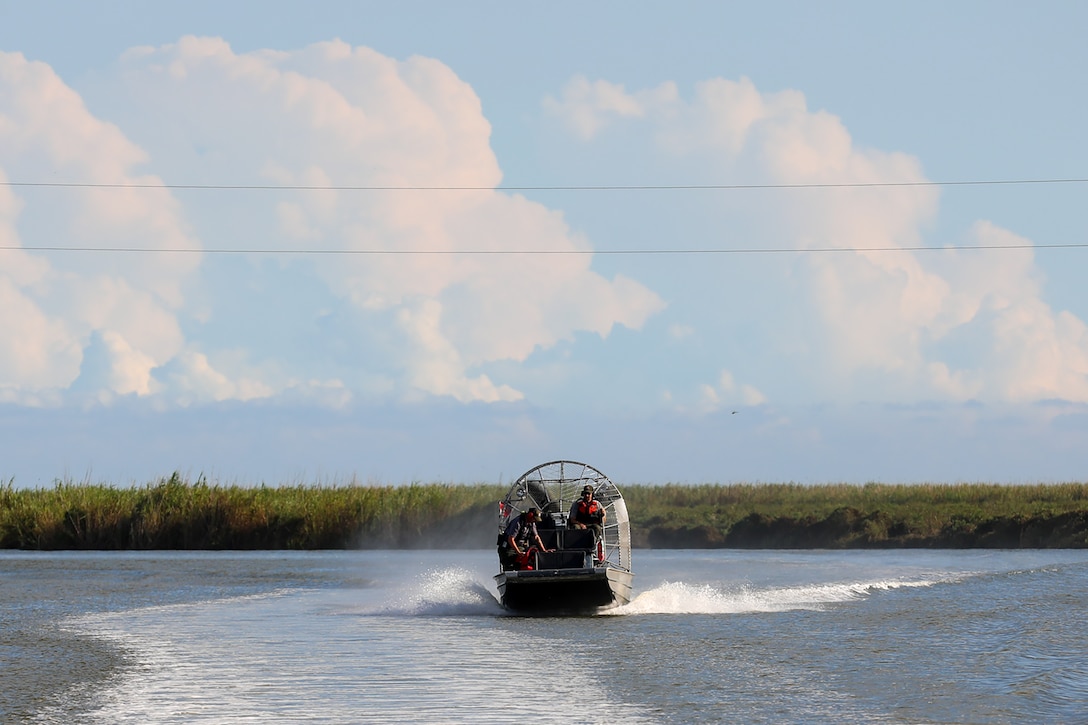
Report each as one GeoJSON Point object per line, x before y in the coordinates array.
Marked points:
{"type": "Point", "coordinates": [552, 488]}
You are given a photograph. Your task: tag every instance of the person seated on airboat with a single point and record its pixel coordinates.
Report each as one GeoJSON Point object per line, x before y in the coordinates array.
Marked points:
{"type": "Point", "coordinates": [587, 513]}
{"type": "Point", "coordinates": [518, 541]}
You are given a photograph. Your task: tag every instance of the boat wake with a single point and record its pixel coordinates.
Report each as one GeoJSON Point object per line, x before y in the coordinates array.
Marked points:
{"type": "Point", "coordinates": [448, 592]}
{"type": "Point", "coordinates": [458, 592]}
{"type": "Point", "coordinates": [681, 598]}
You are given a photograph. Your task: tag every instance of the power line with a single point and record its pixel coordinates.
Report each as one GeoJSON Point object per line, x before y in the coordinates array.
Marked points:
{"type": "Point", "coordinates": [582, 187]}
{"type": "Point", "coordinates": [557, 252]}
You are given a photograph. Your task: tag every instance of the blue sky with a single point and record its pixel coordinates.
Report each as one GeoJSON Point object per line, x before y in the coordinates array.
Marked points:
{"type": "Point", "coordinates": [820, 310]}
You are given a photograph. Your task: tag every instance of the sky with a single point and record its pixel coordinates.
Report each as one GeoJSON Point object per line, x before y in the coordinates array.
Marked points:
{"type": "Point", "coordinates": [695, 242]}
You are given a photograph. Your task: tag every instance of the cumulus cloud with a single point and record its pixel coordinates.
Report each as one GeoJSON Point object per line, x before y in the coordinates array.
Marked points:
{"type": "Point", "coordinates": [725, 393]}
{"type": "Point", "coordinates": [587, 107]}
{"type": "Point", "coordinates": [428, 284]}
{"type": "Point", "coordinates": [360, 119]}
{"type": "Point", "coordinates": [56, 305]}
{"type": "Point", "coordinates": [190, 378]}
{"type": "Point", "coordinates": [1035, 352]}
{"type": "Point", "coordinates": [889, 323]}
{"type": "Point", "coordinates": [111, 365]}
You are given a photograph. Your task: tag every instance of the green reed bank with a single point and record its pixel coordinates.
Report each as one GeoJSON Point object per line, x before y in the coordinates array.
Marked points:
{"type": "Point", "coordinates": [175, 513]}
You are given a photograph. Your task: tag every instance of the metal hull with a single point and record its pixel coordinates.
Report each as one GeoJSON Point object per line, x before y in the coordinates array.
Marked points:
{"type": "Point", "coordinates": [564, 591]}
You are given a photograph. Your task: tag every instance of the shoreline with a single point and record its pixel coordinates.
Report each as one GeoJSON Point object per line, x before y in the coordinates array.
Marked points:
{"type": "Point", "coordinates": [176, 514]}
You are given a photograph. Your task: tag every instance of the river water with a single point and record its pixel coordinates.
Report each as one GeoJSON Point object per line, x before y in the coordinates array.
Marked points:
{"type": "Point", "coordinates": [418, 637]}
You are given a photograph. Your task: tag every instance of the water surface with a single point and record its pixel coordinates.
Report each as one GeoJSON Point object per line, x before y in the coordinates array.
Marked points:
{"type": "Point", "coordinates": [711, 636]}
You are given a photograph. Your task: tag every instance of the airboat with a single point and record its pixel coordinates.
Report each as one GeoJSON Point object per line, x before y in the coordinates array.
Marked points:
{"type": "Point", "coordinates": [584, 572]}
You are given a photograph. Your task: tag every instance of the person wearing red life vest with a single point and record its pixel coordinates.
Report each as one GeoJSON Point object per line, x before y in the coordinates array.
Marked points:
{"type": "Point", "coordinates": [587, 513]}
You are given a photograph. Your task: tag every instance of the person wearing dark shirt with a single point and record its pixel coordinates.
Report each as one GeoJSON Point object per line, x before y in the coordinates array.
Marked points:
{"type": "Point", "coordinates": [519, 536]}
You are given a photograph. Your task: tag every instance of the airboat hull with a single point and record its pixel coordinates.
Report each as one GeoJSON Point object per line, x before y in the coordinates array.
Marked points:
{"type": "Point", "coordinates": [561, 591]}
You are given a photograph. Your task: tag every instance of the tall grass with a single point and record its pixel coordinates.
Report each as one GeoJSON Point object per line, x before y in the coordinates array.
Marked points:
{"type": "Point", "coordinates": [870, 514]}
{"type": "Point", "coordinates": [922, 505]}
{"type": "Point", "coordinates": [175, 513]}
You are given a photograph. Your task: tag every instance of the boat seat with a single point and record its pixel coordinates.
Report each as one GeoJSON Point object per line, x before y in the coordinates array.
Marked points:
{"type": "Point", "coordinates": [551, 538]}
{"type": "Point", "coordinates": [581, 539]}
{"type": "Point", "coordinates": [574, 539]}
{"type": "Point", "coordinates": [563, 559]}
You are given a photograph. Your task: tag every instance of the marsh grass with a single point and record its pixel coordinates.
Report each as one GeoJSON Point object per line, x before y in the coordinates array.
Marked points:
{"type": "Point", "coordinates": [874, 514]}
{"type": "Point", "coordinates": [921, 504]}
{"type": "Point", "coordinates": [175, 513]}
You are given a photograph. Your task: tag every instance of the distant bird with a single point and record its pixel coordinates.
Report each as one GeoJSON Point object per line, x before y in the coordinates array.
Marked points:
{"type": "Point", "coordinates": [733, 413]}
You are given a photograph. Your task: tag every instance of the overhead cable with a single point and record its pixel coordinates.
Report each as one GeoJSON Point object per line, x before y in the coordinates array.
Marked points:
{"type": "Point", "coordinates": [576, 187]}
{"type": "Point", "coordinates": [510, 252]}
